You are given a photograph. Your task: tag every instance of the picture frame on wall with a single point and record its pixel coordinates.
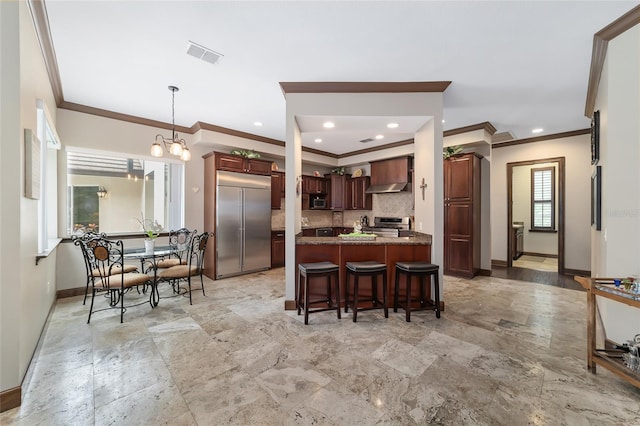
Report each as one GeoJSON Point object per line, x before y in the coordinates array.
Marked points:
{"type": "Point", "coordinates": [596, 199]}
{"type": "Point", "coordinates": [595, 137]}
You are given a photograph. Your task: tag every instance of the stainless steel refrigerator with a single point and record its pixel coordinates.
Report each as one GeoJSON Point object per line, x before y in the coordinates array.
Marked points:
{"type": "Point", "coordinates": [243, 223]}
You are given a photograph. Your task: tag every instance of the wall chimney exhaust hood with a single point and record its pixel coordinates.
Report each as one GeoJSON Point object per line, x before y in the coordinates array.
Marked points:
{"type": "Point", "coordinates": [387, 188]}
{"type": "Point", "coordinates": [391, 175]}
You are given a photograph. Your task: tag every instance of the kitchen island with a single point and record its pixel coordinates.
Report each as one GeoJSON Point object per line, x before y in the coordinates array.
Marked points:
{"type": "Point", "coordinates": [388, 250]}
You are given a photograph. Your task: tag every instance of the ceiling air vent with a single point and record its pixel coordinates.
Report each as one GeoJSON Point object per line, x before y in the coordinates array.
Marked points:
{"type": "Point", "coordinates": [367, 140]}
{"type": "Point", "coordinates": [204, 53]}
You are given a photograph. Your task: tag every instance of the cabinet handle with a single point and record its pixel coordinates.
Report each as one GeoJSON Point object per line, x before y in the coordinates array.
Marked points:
{"type": "Point", "coordinates": [279, 235]}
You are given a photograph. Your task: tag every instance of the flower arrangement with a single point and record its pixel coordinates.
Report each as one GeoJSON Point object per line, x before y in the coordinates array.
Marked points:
{"type": "Point", "coordinates": [246, 153]}
{"type": "Point", "coordinates": [150, 227]}
{"type": "Point", "coordinates": [451, 150]}
{"type": "Point", "coordinates": [338, 171]}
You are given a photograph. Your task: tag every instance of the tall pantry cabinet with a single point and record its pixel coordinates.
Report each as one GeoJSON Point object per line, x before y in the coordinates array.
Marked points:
{"type": "Point", "coordinates": [462, 215]}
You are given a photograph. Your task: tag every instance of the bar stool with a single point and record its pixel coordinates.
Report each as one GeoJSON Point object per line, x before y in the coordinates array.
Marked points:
{"type": "Point", "coordinates": [366, 269]}
{"type": "Point", "coordinates": [317, 270]}
{"type": "Point", "coordinates": [421, 270]}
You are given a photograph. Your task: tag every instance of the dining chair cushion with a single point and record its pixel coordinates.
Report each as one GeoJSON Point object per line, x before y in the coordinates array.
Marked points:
{"type": "Point", "coordinates": [180, 271]}
{"type": "Point", "coordinates": [116, 270]}
{"type": "Point", "coordinates": [126, 280]}
{"type": "Point", "coordinates": [168, 263]}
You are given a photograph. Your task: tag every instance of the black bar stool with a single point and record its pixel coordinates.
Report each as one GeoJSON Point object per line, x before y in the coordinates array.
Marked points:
{"type": "Point", "coordinates": [317, 270]}
{"type": "Point", "coordinates": [366, 269]}
{"type": "Point", "coordinates": [421, 270]}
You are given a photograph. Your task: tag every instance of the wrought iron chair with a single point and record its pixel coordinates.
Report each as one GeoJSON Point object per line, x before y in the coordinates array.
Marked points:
{"type": "Point", "coordinates": [82, 241]}
{"type": "Point", "coordinates": [179, 243]}
{"type": "Point", "coordinates": [105, 258]}
{"type": "Point", "coordinates": [194, 266]}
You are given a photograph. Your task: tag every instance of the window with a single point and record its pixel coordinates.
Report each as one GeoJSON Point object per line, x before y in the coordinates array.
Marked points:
{"type": "Point", "coordinates": [110, 193]}
{"type": "Point", "coordinates": [48, 202]}
{"type": "Point", "coordinates": [543, 199]}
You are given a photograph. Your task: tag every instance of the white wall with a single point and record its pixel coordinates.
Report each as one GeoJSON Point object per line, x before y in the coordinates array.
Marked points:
{"type": "Point", "coordinates": [616, 248]}
{"type": "Point", "coordinates": [534, 242]}
{"type": "Point", "coordinates": [577, 152]}
{"type": "Point", "coordinates": [27, 291]}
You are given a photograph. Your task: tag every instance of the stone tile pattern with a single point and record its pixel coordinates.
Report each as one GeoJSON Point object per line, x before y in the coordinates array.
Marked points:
{"type": "Point", "coordinates": [503, 353]}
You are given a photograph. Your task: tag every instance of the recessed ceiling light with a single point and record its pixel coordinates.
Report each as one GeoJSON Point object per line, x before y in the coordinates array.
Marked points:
{"type": "Point", "coordinates": [379, 136]}
{"type": "Point", "coordinates": [317, 140]}
{"type": "Point", "coordinates": [392, 125]}
{"type": "Point", "coordinates": [328, 125]}
{"type": "Point", "coordinates": [257, 123]}
{"type": "Point", "coordinates": [538, 130]}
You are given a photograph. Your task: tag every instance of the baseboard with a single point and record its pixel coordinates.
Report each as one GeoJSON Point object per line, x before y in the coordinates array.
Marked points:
{"type": "Point", "coordinates": [577, 272]}
{"type": "Point", "coordinates": [289, 305]}
{"type": "Point", "coordinates": [499, 263]}
{"type": "Point", "coordinates": [70, 292]}
{"type": "Point", "coordinates": [484, 272]}
{"type": "Point", "coordinates": [530, 253]}
{"type": "Point", "coordinates": [10, 398]}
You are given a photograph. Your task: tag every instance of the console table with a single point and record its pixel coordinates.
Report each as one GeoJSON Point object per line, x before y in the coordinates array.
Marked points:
{"type": "Point", "coordinates": [611, 359]}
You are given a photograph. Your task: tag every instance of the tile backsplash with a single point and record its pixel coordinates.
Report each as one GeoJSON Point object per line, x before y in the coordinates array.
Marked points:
{"type": "Point", "coordinates": [395, 205]}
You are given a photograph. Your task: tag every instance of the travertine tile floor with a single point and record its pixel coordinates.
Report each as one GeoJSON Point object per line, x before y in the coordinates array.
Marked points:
{"type": "Point", "coordinates": [538, 263]}
{"type": "Point", "coordinates": [503, 353]}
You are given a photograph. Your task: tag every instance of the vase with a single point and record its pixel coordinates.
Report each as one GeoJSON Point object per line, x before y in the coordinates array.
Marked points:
{"type": "Point", "coordinates": [149, 246]}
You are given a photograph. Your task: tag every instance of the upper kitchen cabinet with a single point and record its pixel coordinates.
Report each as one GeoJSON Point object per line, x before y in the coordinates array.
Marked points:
{"type": "Point", "coordinates": [337, 186]}
{"type": "Point", "coordinates": [392, 175]}
{"type": "Point", "coordinates": [462, 215]}
{"type": "Point", "coordinates": [277, 189]}
{"type": "Point", "coordinates": [356, 195]}
{"type": "Point", "coordinates": [235, 163]}
{"type": "Point", "coordinates": [314, 185]}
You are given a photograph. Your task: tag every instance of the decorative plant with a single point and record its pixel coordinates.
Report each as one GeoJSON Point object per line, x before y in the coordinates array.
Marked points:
{"type": "Point", "coordinates": [150, 227]}
{"type": "Point", "coordinates": [338, 171]}
{"type": "Point", "coordinates": [451, 150]}
{"type": "Point", "coordinates": [247, 153]}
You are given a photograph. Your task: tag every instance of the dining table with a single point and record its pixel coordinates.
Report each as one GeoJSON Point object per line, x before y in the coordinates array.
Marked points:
{"type": "Point", "coordinates": [149, 263]}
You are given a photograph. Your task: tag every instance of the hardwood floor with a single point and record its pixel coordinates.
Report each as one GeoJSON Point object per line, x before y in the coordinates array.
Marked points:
{"type": "Point", "coordinates": [540, 277]}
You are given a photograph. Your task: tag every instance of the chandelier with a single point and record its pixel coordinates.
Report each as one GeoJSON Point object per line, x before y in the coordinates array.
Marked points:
{"type": "Point", "coordinates": [175, 145]}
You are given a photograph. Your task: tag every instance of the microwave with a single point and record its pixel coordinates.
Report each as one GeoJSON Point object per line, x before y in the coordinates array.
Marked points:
{"type": "Point", "coordinates": [317, 202]}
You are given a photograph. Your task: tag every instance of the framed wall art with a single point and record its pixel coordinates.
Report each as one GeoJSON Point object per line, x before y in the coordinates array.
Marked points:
{"type": "Point", "coordinates": [596, 199]}
{"type": "Point", "coordinates": [32, 148]}
{"type": "Point", "coordinates": [595, 137]}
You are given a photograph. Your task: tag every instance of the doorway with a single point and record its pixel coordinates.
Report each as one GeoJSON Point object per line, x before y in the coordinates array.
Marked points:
{"type": "Point", "coordinates": [557, 213]}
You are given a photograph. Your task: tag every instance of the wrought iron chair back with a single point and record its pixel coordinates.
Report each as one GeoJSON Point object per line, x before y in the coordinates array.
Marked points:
{"type": "Point", "coordinates": [106, 262]}
{"type": "Point", "coordinates": [179, 243]}
{"type": "Point", "coordinates": [194, 266]}
{"type": "Point", "coordinates": [81, 241]}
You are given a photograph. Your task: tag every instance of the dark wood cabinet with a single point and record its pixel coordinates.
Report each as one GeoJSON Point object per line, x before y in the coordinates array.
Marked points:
{"type": "Point", "coordinates": [336, 196]}
{"type": "Point", "coordinates": [517, 242]}
{"type": "Point", "coordinates": [462, 215]}
{"type": "Point", "coordinates": [314, 185]}
{"type": "Point", "coordinates": [277, 249]}
{"type": "Point", "coordinates": [277, 189]}
{"type": "Point", "coordinates": [391, 170]}
{"type": "Point", "coordinates": [356, 194]}
{"type": "Point", "coordinates": [234, 163]}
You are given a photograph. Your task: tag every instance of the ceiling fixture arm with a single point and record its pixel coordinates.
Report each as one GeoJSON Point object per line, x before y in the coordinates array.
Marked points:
{"type": "Point", "coordinates": [175, 145]}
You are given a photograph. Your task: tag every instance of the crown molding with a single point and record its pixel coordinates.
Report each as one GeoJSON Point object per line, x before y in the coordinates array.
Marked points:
{"type": "Point", "coordinates": [480, 126]}
{"type": "Point", "coordinates": [119, 116]}
{"type": "Point", "coordinates": [542, 138]}
{"type": "Point", "coordinates": [599, 52]}
{"type": "Point", "coordinates": [377, 148]}
{"type": "Point", "coordinates": [43, 33]}
{"type": "Point", "coordinates": [363, 87]}
{"type": "Point", "coordinates": [212, 127]}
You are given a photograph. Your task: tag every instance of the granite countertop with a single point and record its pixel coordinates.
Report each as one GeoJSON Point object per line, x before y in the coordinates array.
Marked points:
{"type": "Point", "coordinates": [417, 239]}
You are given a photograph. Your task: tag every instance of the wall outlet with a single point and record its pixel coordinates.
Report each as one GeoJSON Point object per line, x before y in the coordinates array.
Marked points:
{"type": "Point", "coordinates": [421, 226]}
{"type": "Point", "coordinates": [48, 287]}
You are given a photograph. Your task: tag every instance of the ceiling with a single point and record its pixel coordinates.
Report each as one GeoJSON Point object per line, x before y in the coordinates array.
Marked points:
{"type": "Point", "coordinates": [519, 65]}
